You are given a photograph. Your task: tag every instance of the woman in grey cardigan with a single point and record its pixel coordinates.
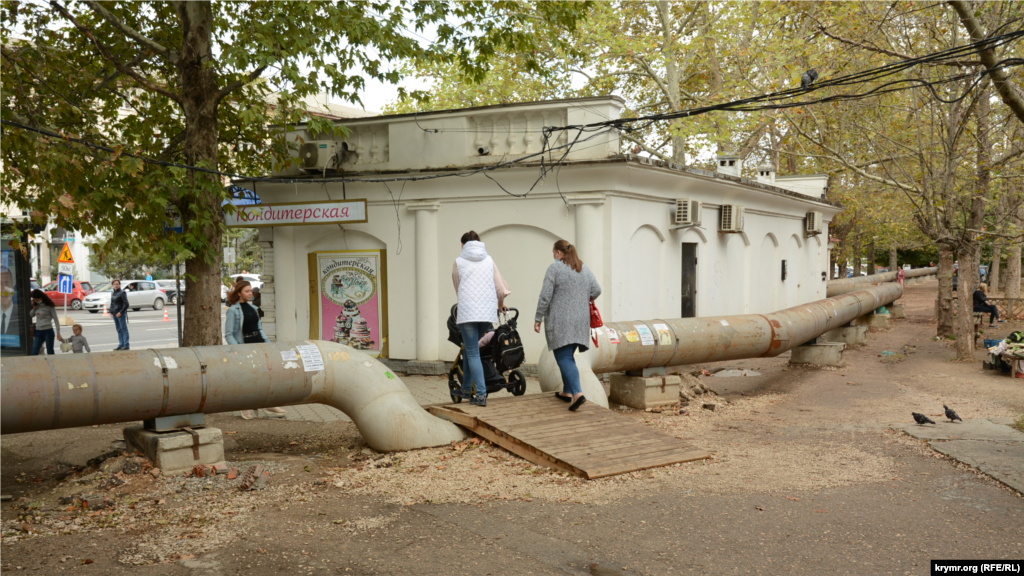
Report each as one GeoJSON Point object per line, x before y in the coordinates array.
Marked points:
{"type": "Point", "coordinates": [564, 307]}
{"type": "Point", "coordinates": [46, 322]}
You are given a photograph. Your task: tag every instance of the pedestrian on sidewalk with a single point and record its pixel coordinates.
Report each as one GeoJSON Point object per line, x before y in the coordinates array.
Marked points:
{"type": "Point", "coordinates": [481, 292]}
{"type": "Point", "coordinates": [564, 308]}
{"type": "Point", "coordinates": [46, 322]}
{"type": "Point", "coordinates": [981, 305]}
{"type": "Point", "coordinates": [119, 311]}
{"type": "Point", "coordinates": [242, 324]}
{"type": "Point", "coordinates": [78, 342]}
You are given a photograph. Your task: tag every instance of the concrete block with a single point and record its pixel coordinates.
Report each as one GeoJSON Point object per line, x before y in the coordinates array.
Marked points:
{"type": "Point", "coordinates": [849, 335]}
{"type": "Point", "coordinates": [873, 320]}
{"type": "Point", "coordinates": [898, 311]}
{"type": "Point", "coordinates": [642, 393]}
{"type": "Point", "coordinates": [823, 354]}
{"type": "Point", "coordinates": [171, 452]}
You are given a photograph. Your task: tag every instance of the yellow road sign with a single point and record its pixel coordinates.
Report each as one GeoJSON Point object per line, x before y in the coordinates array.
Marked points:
{"type": "Point", "coordinates": [65, 255]}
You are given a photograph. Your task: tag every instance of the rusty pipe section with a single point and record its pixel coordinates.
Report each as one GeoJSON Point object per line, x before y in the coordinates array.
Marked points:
{"type": "Point", "coordinates": [636, 345]}
{"type": "Point", "coordinates": [69, 390]}
{"type": "Point", "coordinates": [842, 286]}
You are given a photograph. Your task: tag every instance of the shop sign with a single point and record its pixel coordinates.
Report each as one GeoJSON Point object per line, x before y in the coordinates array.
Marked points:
{"type": "Point", "coordinates": [297, 214]}
{"type": "Point", "coordinates": [349, 299]}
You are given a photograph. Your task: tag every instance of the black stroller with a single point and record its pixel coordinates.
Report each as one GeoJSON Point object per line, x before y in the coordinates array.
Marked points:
{"type": "Point", "coordinates": [504, 353]}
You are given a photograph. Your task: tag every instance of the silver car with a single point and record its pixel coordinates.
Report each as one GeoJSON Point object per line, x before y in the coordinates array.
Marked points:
{"type": "Point", "coordinates": [144, 294]}
{"type": "Point", "coordinates": [99, 299]}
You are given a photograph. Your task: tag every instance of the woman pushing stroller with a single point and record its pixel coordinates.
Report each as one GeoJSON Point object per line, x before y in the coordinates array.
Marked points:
{"type": "Point", "coordinates": [481, 291]}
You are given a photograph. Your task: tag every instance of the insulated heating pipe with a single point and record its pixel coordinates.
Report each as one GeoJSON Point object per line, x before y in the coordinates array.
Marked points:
{"type": "Point", "coordinates": [844, 285]}
{"type": "Point", "coordinates": [681, 341]}
{"type": "Point", "coordinates": [69, 390]}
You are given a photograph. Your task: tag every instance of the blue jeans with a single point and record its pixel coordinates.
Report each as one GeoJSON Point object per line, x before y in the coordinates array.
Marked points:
{"type": "Point", "coordinates": [567, 366]}
{"type": "Point", "coordinates": [43, 336]}
{"type": "Point", "coordinates": [472, 369]}
{"type": "Point", "coordinates": [122, 330]}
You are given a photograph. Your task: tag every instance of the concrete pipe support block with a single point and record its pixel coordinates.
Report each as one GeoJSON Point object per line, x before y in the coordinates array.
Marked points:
{"type": "Point", "coordinates": [898, 311]}
{"type": "Point", "coordinates": [822, 354]}
{"type": "Point", "coordinates": [873, 320]}
{"type": "Point", "coordinates": [849, 335]}
{"type": "Point", "coordinates": [172, 452]}
{"type": "Point", "coordinates": [639, 392]}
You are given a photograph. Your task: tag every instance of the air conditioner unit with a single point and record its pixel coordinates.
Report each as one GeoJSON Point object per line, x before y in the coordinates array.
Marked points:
{"type": "Point", "coordinates": [813, 223]}
{"type": "Point", "coordinates": [319, 155]}
{"type": "Point", "coordinates": [688, 212]}
{"type": "Point", "coordinates": [732, 218]}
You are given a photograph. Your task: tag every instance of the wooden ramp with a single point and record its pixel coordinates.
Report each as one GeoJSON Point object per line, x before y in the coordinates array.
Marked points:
{"type": "Point", "coordinates": [592, 442]}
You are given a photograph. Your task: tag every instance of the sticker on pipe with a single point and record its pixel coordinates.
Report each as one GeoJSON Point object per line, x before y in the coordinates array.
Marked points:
{"type": "Point", "coordinates": [646, 337]}
{"type": "Point", "coordinates": [664, 335]}
{"type": "Point", "coordinates": [287, 355]}
{"type": "Point", "coordinates": [312, 361]}
{"type": "Point", "coordinates": [613, 336]}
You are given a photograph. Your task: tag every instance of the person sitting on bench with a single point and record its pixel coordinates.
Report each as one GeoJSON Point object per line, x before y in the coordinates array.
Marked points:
{"type": "Point", "coordinates": [981, 305]}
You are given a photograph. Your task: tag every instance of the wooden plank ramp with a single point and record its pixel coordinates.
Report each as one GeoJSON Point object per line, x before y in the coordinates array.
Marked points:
{"type": "Point", "coordinates": [592, 442]}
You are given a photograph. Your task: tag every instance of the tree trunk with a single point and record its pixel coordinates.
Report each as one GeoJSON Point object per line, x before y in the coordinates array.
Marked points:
{"type": "Point", "coordinates": [965, 308]}
{"type": "Point", "coordinates": [199, 100]}
{"type": "Point", "coordinates": [893, 260]}
{"type": "Point", "coordinates": [1014, 272]}
{"type": "Point", "coordinates": [856, 258]}
{"type": "Point", "coordinates": [872, 268]}
{"type": "Point", "coordinates": [993, 269]}
{"type": "Point", "coordinates": [944, 303]}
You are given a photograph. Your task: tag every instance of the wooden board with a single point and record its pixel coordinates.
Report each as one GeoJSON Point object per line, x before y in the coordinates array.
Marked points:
{"type": "Point", "coordinates": [592, 442]}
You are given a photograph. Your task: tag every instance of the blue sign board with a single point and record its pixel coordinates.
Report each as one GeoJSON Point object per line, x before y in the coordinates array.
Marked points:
{"type": "Point", "coordinates": [174, 224]}
{"type": "Point", "coordinates": [65, 285]}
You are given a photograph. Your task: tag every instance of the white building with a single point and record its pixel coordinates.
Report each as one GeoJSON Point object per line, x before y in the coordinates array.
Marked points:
{"type": "Point", "coordinates": [619, 210]}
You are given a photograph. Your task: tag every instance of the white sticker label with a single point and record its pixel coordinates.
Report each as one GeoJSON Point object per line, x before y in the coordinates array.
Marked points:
{"type": "Point", "coordinates": [646, 338]}
{"type": "Point", "coordinates": [613, 336]}
{"type": "Point", "coordinates": [724, 323]}
{"type": "Point", "coordinates": [289, 355]}
{"type": "Point", "coordinates": [312, 361]}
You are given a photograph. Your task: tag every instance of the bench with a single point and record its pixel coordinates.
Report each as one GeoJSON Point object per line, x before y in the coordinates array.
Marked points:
{"type": "Point", "coordinates": [979, 321]}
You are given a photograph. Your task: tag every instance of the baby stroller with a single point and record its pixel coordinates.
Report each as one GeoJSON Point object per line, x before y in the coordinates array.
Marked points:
{"type": "Point", "coordinates": [504, 353]}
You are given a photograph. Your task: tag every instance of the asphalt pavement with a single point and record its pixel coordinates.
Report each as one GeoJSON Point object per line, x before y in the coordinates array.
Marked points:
{"type": "Point", "coordinates": [146, 328]}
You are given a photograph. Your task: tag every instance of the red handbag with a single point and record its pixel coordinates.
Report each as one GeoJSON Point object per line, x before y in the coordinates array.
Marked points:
{"type": "Point", "coordinates": [595, 321]}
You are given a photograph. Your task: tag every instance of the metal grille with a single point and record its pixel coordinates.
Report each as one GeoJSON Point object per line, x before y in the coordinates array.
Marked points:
{"type": "Point", "coordinates": [727, 217]}
{"type": "Point", "coordinates": [684, 214]}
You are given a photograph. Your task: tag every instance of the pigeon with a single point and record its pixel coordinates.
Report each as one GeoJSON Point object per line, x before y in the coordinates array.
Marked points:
{"type": "Point", "coordinates": [952, 415]}
{"type": "Point", "coordinates": [808, 78]}
{"type": "Point", "coordinates": [922, 419]}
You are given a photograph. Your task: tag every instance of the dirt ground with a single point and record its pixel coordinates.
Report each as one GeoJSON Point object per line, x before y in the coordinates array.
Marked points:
{"type": "Point", "coordinates": [806, 478]}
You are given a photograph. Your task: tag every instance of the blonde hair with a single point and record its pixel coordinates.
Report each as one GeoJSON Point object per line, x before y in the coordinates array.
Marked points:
{"type": "Point", "coordinates": [983, 287]}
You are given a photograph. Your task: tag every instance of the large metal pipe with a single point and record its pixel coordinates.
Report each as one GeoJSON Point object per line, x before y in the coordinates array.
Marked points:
{"type": "Point", "coordinates": [65, 391]}
{"type": "Point", "coordinates": [681, 341]}
{"type": "Point", "coordinates": [844, 285]}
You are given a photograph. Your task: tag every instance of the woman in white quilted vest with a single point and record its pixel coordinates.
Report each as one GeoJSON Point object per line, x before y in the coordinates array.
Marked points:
{"type": "Point", "coordinates": [482, 292]}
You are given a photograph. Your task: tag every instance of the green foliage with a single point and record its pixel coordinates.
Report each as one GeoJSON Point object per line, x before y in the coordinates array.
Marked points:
{"type": "Point", "coordinates": [115, 259]}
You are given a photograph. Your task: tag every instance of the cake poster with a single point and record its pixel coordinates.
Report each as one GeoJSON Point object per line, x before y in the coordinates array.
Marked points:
{"type": "Point", "coordinates": [350, 299]}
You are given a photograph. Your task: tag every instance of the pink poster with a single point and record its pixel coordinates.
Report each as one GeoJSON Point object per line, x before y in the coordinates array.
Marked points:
{"type": "Point", "coordinates": [351, 299]}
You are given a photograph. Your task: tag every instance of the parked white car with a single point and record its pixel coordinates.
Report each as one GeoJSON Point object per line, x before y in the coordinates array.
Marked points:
{"type": "Point", "coordinates": [141, 294]}
{"type": "Point", "coordinates": [99, 299]}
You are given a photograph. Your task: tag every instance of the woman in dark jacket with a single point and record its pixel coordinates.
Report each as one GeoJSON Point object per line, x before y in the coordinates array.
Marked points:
{"type": "Point", "coordinates": [119, 310]}
{"type": "Point", "coordinates": [981, 305]}
{"type": "Point", "coordinates": [45, 313]}
{"type": "Point", "coordinates": [564, 307]}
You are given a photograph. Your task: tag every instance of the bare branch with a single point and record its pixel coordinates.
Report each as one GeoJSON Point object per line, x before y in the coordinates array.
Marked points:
{"type": "Point", "coordinates": [894, 53]}
{"type": "Point", "coordinates": [171, 55]}
{"type": "Point", "coordinates": [645, 148]}
{"type": "Point", "coordinates": [109, 56]}
{"type": "Point", "coordinates": [232, 86]}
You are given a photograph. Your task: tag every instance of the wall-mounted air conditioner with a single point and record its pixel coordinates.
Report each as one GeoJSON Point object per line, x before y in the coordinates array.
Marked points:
{"type": "Point", "coordinates": [813, 223]}
{"type": "Point", "coordinates": [732, 218]}
{"type": "Point", "coordinates": [318, 155]}
{"type": "Point", "coordinates": [688, 212]}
